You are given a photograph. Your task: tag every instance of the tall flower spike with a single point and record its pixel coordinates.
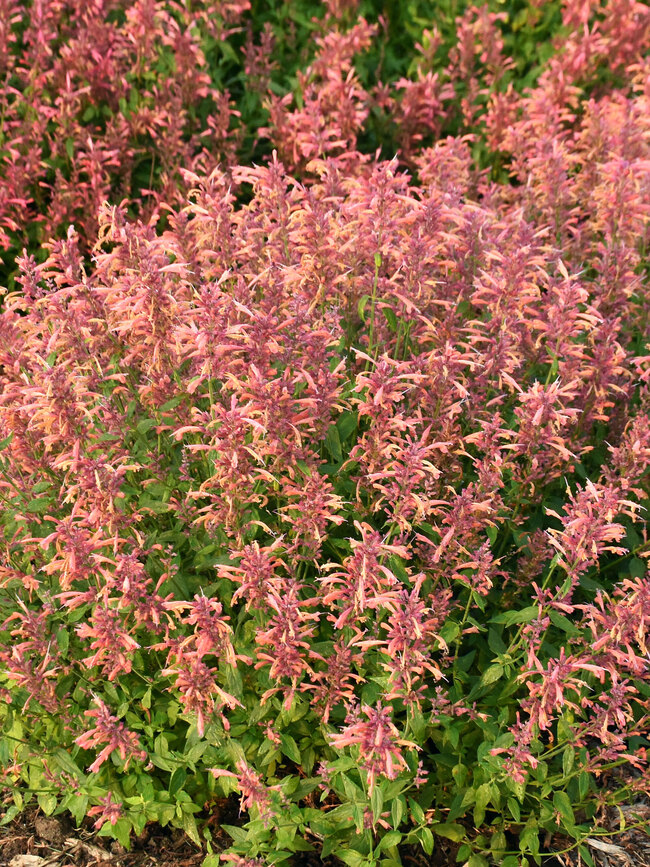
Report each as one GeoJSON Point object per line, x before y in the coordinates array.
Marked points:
{"type": "Point", "coordinates": [379, 744]}
{"type": "Point", "coordinates": [113, 734]}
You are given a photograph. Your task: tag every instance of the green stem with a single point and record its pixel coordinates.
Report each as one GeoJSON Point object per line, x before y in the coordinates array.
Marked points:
{"type": "Point", "coordinates": [373, 301]}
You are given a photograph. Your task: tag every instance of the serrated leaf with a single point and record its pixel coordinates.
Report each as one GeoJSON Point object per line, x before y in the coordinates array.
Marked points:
{"type": "Point", "coordinates": [120, 831]}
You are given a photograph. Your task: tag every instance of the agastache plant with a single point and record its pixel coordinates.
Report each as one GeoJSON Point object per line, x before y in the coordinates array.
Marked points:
{"type": "Point", "coordinates": [329, 488]}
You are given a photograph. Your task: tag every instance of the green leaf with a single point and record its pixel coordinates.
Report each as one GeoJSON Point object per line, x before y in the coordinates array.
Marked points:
{"type": "Point", "coordinates": [426, 840]}
{"type": "Point", "coordinates": [529, 839]}
{"type": "Point", "coordinates": [510, 618]}
{"type": "Point", "coordinates": [39, 506]}
{"type": "Point", "coordinates": [78, 807]}
{"type": "Point", "coordinates": [495, 642]}
{"type": "Point", "coordinates": [377, 803]}
{"type": "Point", "coordinates": [10, 814]}
{"type": "Point", "coordinates": [351, 857]}
{"type": "Point", "coordinates": [62, 640]}
{"type": "Point", "coordinates": [290, 748]}
{"type": "Point", "coordinates": [449, 830]}
{"type": "Point", "coordinates": [498, 843]}
{"type": "Point", "coordinates": [482, 799]}
{"type": "Point", "coordinates": [333, 443]}
{"type": "Point", "coordinates": [155, 506]}
{"type": "Point", "coordinates": [177, 781]}
{"type": "Point", "coordinates": [417, 811]}
{"type": "Point", "coordinates": [189, 826]}
{"type": "Point", "coordinates": [47, 803]}
{"type": "Point", "coordinates": [492, 674]}
{"type": "Point", "coordinates": [564, 624]}
{"type": "Point", "coordinates": [586, 856]}
{"type": "Point", "coordinates": [449, 631]}
{"type": "Point", "coordinates": [637, 567]}
{"type": "Point", "coordinates": [278, 856]}
{"type": "Point", "coordinates": [66, 763]}
{"type": "Point", "coordinates": [568, 758]}
{"type": "Point", "coordinates": [361, 306]}
{"type": "Point", "coordinates": [197, 751]}
{"type": "Point", "coordinates": [346, 423]}
{"type": "Point", "coordinates": [238, 834]}
{"type": "Point", "coordinates": [120, 831]}
{"type": "Point", "coordinates": [304, 467]}
{"type": "Point", "coordinates": [171, 404]}
{"type": "Point", "coordinates": [393, 838]}
{"type": "Point", "coordinates": [161, 763]}
{"type": "Point", "coordinates": [391, 318]}
{"type": "Point", "coordinates": [562, 804]}
{"type": "Point", "coordinates": [397, 811]}
{"type": "Point", "coordinates": [145, 425]}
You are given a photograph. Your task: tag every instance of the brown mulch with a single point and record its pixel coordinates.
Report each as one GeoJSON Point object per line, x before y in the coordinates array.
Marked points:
{"type": "Point", "coordinates": [629, 847]}
{"type": "Point", "coordinates": [55, 842]}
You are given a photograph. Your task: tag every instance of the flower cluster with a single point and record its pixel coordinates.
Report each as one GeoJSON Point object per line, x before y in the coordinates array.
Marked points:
{"type": "Point", "coordinates": [346, 463]}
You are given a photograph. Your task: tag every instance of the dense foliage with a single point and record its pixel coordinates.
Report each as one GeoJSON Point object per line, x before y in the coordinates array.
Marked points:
{"type": "Point", "coordinates": [109, 99]}
{"type": "Point", "coordinates": [325, 481]}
